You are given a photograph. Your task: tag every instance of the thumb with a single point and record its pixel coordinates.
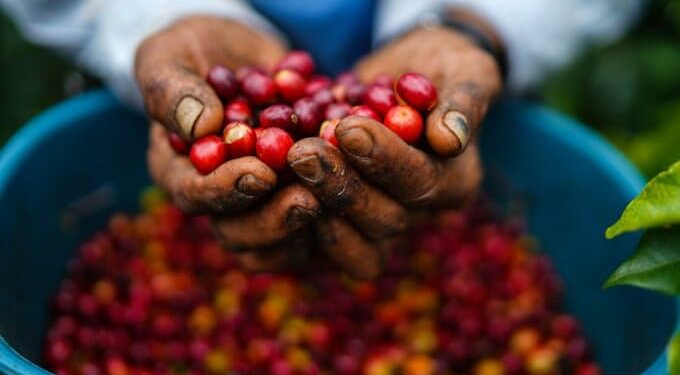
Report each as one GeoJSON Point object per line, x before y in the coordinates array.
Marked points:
{"type": "Point", "coordinates": [174, 92]}
{"type": "Point", "coordinates": [456, 119]}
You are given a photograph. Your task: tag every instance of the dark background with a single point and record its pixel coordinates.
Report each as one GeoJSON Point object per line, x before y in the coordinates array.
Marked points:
{"type": "Point", "coordinates": [629, 91]}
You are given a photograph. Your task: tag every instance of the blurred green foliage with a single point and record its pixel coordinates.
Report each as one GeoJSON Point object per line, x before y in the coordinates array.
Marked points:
{"type": "Point", "coordinates": [31, 79]}
{"type": "Point", "coordinates": [629, 91]}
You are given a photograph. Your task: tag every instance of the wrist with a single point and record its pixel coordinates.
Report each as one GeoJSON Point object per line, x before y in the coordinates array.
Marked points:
{"type": "Point", "coordinates": [478, 23]}
{"type": "Point", "coordinates": [474, 28]}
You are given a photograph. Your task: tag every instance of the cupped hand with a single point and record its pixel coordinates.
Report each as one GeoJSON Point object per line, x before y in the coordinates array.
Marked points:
{"type": "Point", "coordinates": [239, 195]}
{"type": "Point", "coordinates": [375, 183]}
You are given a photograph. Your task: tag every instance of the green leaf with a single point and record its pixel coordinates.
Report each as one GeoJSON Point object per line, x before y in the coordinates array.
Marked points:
{"type": "Point", "coordinates": [674, 355]}
{"type": "Point", "coordinates": [657, 205]}
{"type": "Point", "coordinates": [655, 264]}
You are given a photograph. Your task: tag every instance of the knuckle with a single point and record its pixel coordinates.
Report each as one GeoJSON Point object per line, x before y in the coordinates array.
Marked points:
{"type": "Point", "coordinates": [424, 195]}
{"type": "Point", "coordinates": [344, 192]}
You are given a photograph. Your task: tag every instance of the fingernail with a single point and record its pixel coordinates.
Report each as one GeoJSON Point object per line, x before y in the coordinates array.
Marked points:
{"type": "Point", "coordinates": [309, 169]}
{"type": "Point", "coordinates": [187, 112]}
{"type": "Point", "coordinates": [458, 125]}
{"type": "Point", "coordinates": [251, 185]}
{"type": "Point", "coordinates": [298, 216]}
{"type": "Point", "coordinates": [357, 141]}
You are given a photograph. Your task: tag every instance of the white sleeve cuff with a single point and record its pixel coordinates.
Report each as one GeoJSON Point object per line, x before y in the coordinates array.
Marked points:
{"type": "Point", "coordinates": [540, 36]}
{"type": "Point", "coordinates": [122, 25]}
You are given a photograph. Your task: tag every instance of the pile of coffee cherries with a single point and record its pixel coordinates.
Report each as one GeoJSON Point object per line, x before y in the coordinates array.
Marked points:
{"type": "Point", "coordinates": [155, 294]}
{"type": "Point", "coordinates": [265, 113]}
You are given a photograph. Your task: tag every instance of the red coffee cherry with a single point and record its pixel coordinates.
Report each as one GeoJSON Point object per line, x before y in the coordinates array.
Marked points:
{"type": "Point", "coordinates": [278, 116]}
{"type": "Point", "coordinates": [417, 91]}
{"type": "Point", "coordinates": [259, 88]}
{"type": "Point", "coordinates": [317, 83]}
{"type": "Point", "coordinates": [300, 61]}
{"type": "Point", "coordinates": [384, 80]}
{"type": "Point", "coordinates": [238, 110]}
{"type": "Point", "coordinates": [240, 140]}
{"type": "Point", "coordinates": [354, 92]}
{"type": "Point", "coordinates": [380, 98]}
{"type": "Point", "coordinates": [365, 111]}
{"type": "Point", "coordinates": [327, 131]}
{"type": "Point", "coordinates": [223, 81]}
{"type": "Point", "coordinates": [347, 78]}
{"type": "Point", "coordinates": [243, 71]}
{"type": "Point", "coordinates": [272, 147]}
{"type": "Point", "coordinates": [323, 97]}
{"type": "Point", "coordinates": [177, 143]}
{"type": "Point", "coordinates": [337, 111]}
{"type": "Point", "coordinates": [290, 84]}
{"type": "Point", "coordinates": [208, 153]}
{"type": "Point", "coordinates": [406, 122]}
{"type": "Point", "coordinates": [309, 116]}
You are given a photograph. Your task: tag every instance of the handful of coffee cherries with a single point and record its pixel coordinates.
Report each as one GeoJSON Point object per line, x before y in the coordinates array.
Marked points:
{"type": "Point", "coordinates": [264, 114]}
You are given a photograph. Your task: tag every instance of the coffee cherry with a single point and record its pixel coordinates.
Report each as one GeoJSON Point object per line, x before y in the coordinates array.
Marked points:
{"type": "Point", "coordinates": [259, 88]}
{"type": "Point", "coordinates": [346, 365]}
{"type": "Point", "coordinates": [384, 80]}
{"type": "Point", "coordinates": [564, 326]}
{"type": "Point", "coordinates": [238, 110]}
{"type": "Point", "coordinates": [323, 97]}
{"type": "Point", "coordinates": [355, 92]}
{"type": "Point", "coordinates": [199, 349]}
{"type": "Point", "coordinates": [513, 363]}
{"type": "Point", "coordinates": [281, 367]}
{"type": "Point", "coordinates": [86, 337]}
{"type": "Point", "coordinates": [272, 147]}
{"type": "Point", "coordinates": [223, 81]}
{"type": "Point", "coordinates": [278, 116]}
{"type": "Point", "coordinates": [203, 320]}
{"type": "Point", "coordinates": [417, 91]}
{"type": "Point", "coordinates": [164, 325]}
{"type": "Point", "coordinates": [406, 122]}
{"type": "Point", "coordinates": [299, 61]}
{"type": "Point", "coordinates": [243, 71]}
{"type": "Point", "coordinates": [327, 131]}
{"type": "Point", "coordinates": [104, 292]}
{"type": "Point", "coordinates": [89, 368]}
{"type": "Point", "coordinates": [116, 366]}
{"type": "Point", "coordinates": [64, 326]}
{"type": "Point", "coordinates": [577, 349]}
{"type": "Point", "coordinates": [240, 140]}
{"type": "Point", "coordinates": [290, 84]}
{"type": "Point", "coordinates": [365, 111]}
{"type": "Point", "coordinates": [217, 362]}
{"type": "Point", "coordinates": [588, 369]}
{"type": "Point", "coordinates": [177, 143]}
{"type": "Point", "coordinates": [309, 116]}
{"type": "Point", "coordinates": [337, 111]}
{"type": "Point", "coordinates": [380, 98]}
{"type": "Point", "coordinates": [541, 361]}
{"type": "Point", "coordinates": [347, 78]}
{"type": "Point", "coordinates": [525, 340]}
{"type": "Point", "coordinates": [317, 83]}
{"type": "Point", "coordinates": [87, 305]}
{"type": "Point", "coordinates": [208, 153]}
{"type": "Point", "coordinates": [58, 352]}
{"type": "Point", "coordinates": [489, 367]}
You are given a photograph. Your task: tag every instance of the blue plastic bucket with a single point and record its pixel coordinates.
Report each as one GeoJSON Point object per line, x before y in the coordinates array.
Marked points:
{"type": "Point", "coordinates": [76, 164]}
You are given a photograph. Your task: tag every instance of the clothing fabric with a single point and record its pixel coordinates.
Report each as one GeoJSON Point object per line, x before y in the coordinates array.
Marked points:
{"type": "Point", "coordinates": [103, 35]}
